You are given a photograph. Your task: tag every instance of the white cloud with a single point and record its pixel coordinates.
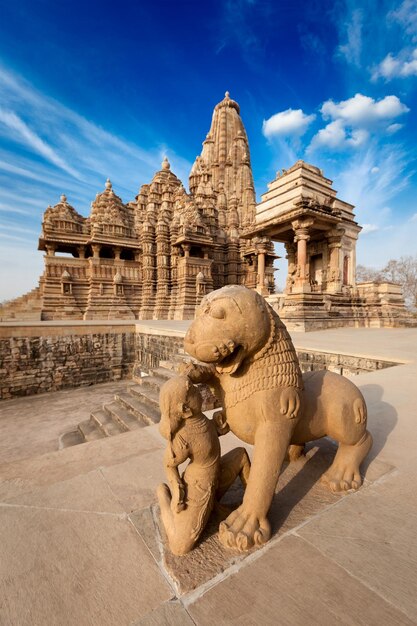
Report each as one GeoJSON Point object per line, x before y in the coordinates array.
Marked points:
{"type": "Point", "coordinates": [352, 120]}
{"type": "Point", "coordinates": [413, 218]}
{"type": "Point", "coordinates": [292, 122]}
{"type": "Point", "coordinates": [402, 66]}
{"type": "Point", "coordinates": [336, 136]}
{"type": "Point", "coordinates": [369, 228]}
{"type": "Point", "coordinates": [363, 111]}
{"type": "Point", "coordinates": [352, 49]}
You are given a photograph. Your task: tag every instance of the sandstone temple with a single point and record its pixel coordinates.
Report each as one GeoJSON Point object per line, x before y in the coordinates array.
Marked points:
{"type": "Point", "coordinates": [156, 256]}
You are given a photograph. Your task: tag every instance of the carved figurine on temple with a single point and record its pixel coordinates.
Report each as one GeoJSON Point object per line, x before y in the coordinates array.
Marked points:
{"type": "Point", "coordinates": [253, 366]}
{"type": "Point", "coordinates": [188, 500]}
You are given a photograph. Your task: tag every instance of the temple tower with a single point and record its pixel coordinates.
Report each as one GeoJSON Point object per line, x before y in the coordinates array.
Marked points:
{"type": "Point", "coordinates": [223, 171]}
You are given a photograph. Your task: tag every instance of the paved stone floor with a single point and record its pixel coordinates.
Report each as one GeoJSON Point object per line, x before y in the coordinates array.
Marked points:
{"type": "Point", "coordinates": [77, 545]}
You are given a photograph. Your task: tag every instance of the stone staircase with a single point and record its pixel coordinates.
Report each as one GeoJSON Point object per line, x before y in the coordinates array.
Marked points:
{"type": "Point", "coordinates": [24, 308]}
{"type": "Point", "coordinates": [136, 407]}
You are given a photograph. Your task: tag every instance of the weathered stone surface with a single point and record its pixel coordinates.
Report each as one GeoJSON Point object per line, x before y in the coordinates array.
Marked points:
{"type": "Point", "coordinates": [167, 614]}
{"type": "Point", "coordinates": [74, 567]}
{"type": "Point", "coordinates": [369, 535]}
{"type": "Point", "coordinates": [33, 364]}
{"type": "Point", "coordinates": [293, 583]}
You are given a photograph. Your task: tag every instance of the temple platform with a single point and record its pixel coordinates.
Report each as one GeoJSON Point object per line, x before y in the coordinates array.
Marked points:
{"type": "Point", "coordinates": [81, 542]}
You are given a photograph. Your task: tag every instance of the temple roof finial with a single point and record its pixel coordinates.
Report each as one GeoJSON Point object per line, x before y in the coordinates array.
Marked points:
{"type": "Point", "coordinates": [63, 198]}
{"type": "Point", "coordinates": [227, 94]}
{"type": "Point", "coordinates": [165, 164]}
{"type": "Point", "coordinates": [108, 184]}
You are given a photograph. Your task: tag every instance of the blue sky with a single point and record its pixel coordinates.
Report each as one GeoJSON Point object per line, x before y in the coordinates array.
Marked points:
{"type": "Point", "coordinates": [96, 89]}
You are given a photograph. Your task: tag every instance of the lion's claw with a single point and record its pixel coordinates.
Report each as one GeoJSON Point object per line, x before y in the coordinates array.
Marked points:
{"type": "Point", "coordinates": [243, 530]}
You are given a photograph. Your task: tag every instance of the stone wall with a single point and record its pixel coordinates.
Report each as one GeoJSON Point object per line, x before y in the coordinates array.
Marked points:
{"type": "Point", "coordinates": [49, 356]}
{"type": "Point", "coordinates": [345, 364]}
{"type": "Point", "coordinates": [42, 358]}
{"type": "Point", "coordinates": [151, 348]}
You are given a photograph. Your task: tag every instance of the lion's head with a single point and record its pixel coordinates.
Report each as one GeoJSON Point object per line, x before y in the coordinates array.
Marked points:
{"type": "Point", "coordinates": [231, 324]}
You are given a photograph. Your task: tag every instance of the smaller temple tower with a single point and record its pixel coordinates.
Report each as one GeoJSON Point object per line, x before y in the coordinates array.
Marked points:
{"type": "Point", "coordinates": [301, 209]}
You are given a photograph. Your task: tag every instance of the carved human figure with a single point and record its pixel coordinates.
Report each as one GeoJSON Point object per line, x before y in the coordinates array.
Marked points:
{"type": "Point", "coordinates": [253, 366]}
{"type": "Point", "coordinates": [187, 502]}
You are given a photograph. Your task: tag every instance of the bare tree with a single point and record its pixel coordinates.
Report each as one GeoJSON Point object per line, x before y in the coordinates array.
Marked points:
{"type": "Point", "coordinates": [368, 274]}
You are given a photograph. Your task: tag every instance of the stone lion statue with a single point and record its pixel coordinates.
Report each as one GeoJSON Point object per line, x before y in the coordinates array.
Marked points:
{"type": "Point", "coordinates": [250, 360]}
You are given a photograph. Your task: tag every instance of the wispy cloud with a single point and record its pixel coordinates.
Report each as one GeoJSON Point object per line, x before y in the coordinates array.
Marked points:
{"type": "Point", "coordinates": [351, 50]}
{"type": "Point", "coordinates": [406, 16]}
{"type": "Point", "coordinates": [70, 143]}
{"type": "Point", "coordinates": [48, 149]}
{"type": "Point", "coordinates": [20, 131]}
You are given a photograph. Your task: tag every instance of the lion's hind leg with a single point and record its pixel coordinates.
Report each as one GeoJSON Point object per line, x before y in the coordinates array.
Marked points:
{"type": "Point", "coordinates": [344, 473]}
{"type": "Point", "coordinates": [233, 464]}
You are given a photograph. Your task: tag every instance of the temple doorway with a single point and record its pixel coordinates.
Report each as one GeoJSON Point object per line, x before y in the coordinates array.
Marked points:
{"type": "Point", "coordinates": [316, 270]}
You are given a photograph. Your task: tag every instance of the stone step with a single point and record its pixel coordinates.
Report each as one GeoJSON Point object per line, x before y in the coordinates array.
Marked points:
{"type": "Point", "coordinates": [140, 409]}
{"type": "Point", "coordinates": [153, 382]}
{"type": "Point", "coordinates": [89, 431]}
{"type": "Point", "coordinates": [105, 423]}
{"type": "Point", "coordinates": [163, 372]}
{"type": "Point", "coordinates": [119, 414]}
{"type": "Point", "coordinates": [148, 394]}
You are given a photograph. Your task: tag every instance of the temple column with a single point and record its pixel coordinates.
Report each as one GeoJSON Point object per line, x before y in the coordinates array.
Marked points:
{"type": "Point", "coordinates": [50, 249]}
{"type": "Point", "coordinates": [334, 281]}
{"type": "Point", "coordinates": [96, 247]}
{"type": "Point", "coordinates": [292, 268]}
{"type": "Point", "coordinates": [81, 252]}
{"type": "Point", "coordinates": [117, 252]}
{"type": "Point", "coordinates": [302, 279]}
{"type": "Point", "coordinates": [261, 252]}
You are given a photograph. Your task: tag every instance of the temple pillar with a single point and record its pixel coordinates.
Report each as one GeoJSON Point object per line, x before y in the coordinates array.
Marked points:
{"type": "Point", "coordinates": [50, 249]}
{"type": "Point", "coordinates": [302, 278]}
{"type": "Point", "coordinates": [117, 252]}
{"type": "Point", "coordinates": [81, 252]}
{"type": "Point", "coordinates": [292, 267]}
{"type": "Point", "coordinates": [96, 247]}
{"type": "Point", "coordinates": [334, 279]}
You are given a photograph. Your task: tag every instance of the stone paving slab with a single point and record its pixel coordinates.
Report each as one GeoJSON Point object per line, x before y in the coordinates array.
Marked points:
{"type": "Point", "coordinates": [168, 614]}
{"type": "Point", "coordinates": [293, 584]}
{"type": "Point", "coordinates": [25, 475]}
{"type": "Point", "coordinates": [373, 537]}
{"type": "Point", "coordinates": [64, 567]}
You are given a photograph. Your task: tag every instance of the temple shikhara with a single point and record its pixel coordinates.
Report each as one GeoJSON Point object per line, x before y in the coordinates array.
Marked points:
{"type": "Point", "coordinates": [156, 256]}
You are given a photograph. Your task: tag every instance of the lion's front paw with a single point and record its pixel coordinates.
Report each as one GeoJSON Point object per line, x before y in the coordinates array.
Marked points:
{"type": "Point", "coordinates": [342, 478]}
{"type": "Point", "coordinates": [243, 529]}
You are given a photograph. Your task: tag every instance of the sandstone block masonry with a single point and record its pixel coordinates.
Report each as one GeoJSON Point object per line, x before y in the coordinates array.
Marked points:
{"type": "Point", "coordinates": [46, 357]}
{"type": "Point", "coordinates": [37, 359]}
